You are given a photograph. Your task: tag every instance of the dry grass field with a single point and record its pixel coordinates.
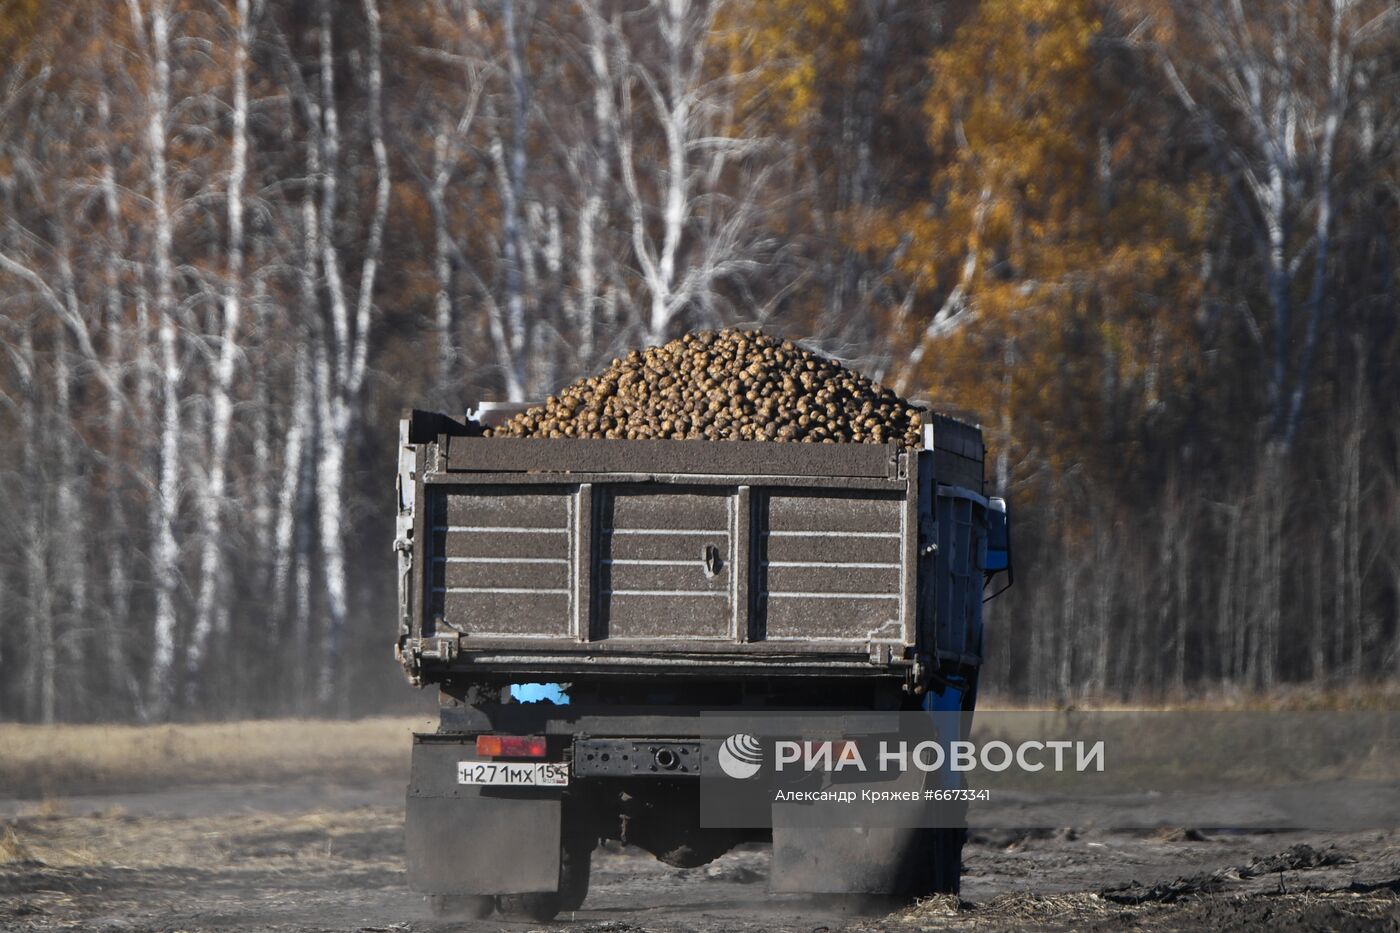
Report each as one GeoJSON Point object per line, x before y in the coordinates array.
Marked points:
{"type": "Point", "coordinates": [57, 761]}
{"type": "Point", "coordinates": [45, 761]}
{"type": "Point", "coordinates": [1287, 699]}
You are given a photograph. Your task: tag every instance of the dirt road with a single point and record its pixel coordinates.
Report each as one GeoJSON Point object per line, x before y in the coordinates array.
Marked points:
{"type": "Point", "coordinates": [266, 857]}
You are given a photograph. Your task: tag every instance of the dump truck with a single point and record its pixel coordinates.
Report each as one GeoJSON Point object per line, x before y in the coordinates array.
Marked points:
{"type": "Point", "coordinates": [659, 582]}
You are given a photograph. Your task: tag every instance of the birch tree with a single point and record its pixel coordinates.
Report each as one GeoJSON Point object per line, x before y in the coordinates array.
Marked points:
{"type": "Point", "coordinates": [151, 25]}
{"type": "Point", "coordinates": [589, 166]}
{"type": "Point", "coordinates": [690, 234]}
{"type": "Point", "coordinates": [511, 159]}
{"type": "Point", "coordinates": [1272, 88]}
{"type": "Point", "coordinates": [340, 373]}
{"type": "Point", "coordinates": [451, 111]}
{"type": "Point", "coordinates": [237, 237]}
{"type": "Point", "coordinates": [212, 570]}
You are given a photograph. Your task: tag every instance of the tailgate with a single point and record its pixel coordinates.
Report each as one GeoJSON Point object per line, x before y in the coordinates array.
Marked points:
{"type": "Point", "coordinates": [633, 555]}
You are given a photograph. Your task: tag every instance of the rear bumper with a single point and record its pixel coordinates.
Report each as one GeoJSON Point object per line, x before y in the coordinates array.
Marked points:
{"type": "Point", "coordinates": [506, 661]}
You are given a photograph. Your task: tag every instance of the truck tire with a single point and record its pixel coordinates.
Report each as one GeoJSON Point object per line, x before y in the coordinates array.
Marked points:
{"type": "Point", "coordinates": [542, 907]}
{"type": "Point", "coordinates": [575, 861]}
{"type": "Point", "coordinates": [575, 866]}
{"type": "Point", "coordinates": [947, 845]}
{"type": "Point", "coordinates": [932, 866]}
{"type": "Point", "coordinates": [461, 906]}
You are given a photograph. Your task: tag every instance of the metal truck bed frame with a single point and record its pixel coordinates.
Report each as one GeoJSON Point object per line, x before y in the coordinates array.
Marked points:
{"type": "Point", "coordinates": [578, 559]}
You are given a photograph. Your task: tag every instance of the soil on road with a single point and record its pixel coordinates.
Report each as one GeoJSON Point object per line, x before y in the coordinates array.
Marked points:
{"type": "Point", "coordinates": [301, 857]}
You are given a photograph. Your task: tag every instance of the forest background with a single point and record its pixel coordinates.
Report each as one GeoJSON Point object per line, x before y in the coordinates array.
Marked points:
{"type": "Point", "coordinates": [1151, 246]}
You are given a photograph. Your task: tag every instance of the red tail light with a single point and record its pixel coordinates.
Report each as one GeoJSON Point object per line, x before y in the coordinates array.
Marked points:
{"type": "Point", "coordinates": [510, 746]}
{"type": "Point", "coordinates": [844, 747]}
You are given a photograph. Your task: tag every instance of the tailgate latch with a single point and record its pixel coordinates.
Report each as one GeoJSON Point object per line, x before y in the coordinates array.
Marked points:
{"type": "Point", "coordinates": [441, 649]}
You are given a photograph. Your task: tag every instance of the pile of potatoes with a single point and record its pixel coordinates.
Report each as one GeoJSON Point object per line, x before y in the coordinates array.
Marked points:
{"type": "Point", "coordinates": [725, 385]}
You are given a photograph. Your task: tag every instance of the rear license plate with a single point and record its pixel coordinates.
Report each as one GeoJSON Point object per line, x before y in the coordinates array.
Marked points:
{"type": "Point", "coordinates": [513, 774]}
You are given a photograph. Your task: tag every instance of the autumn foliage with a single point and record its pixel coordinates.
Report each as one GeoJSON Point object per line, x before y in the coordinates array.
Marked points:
{"type": "Point", "coordinates": [1150, 246]}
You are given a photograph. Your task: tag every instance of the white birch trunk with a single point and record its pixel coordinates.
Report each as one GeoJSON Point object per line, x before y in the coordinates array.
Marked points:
{"type": "Point", "coordinates": [341, 376]}
{"type": "Point", "coordinates": [512, 207]}
{"type": "Point", "coordinates": [212, 569]}
{"type": "Point", "coordinates": [329, 409]}
{"type": "Point", "coordinates": [375, 236]}
{"type": "Point", "coordinates": [330, 468]}
{"type": "Point", "coordinates": [290, 492]}
{"type": "Point", "coordinates": [165, 558]}
{"type": "Point", "coordinates": [499, 319]}
{"type": "Point", "coordinates": [687, 238]}
{"type": "Point", "coordinates": [675, 112]}
{"type": "Point", "coordinates": [69, 523]}
{"type": "Point", "coordinates": [305, 408]}
{"type": "Point", "coordinates": [447, 155]}
{"type": "Point", "coordinates": [586, 307]}
{"type": "Point", "coordinates": [593, 213]}
{"type": "Point", "coordinates": [262, 476]}
{"type": "Point", "coordinates": [444, 319]}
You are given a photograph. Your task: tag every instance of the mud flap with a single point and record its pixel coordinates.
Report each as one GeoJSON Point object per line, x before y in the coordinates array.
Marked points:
{"type": "Point", "coordinates": [849, 860]}
{"type": "Point", "coordinates": [859, 855]}
{"type": "Point", "coordinates": [466, 839]}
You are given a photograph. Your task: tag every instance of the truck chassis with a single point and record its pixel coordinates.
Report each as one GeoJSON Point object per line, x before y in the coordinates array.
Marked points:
{"type": "Point", "coordinates": [661, 580]}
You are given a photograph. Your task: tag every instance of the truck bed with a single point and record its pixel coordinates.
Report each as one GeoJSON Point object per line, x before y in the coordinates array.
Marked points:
{"type": "Point", "coordinates": [611, 558]}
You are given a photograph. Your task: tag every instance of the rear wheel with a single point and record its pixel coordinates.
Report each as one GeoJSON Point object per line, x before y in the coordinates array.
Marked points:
{"type": "Point", "coordinates": [575, 860]}
{"type": "Point", "coordinates": [953, 859]}
{"type": "Point", "coordinates": [945, 871]}
{"type": "Point", "coordinates": [461, 906]}
{"type": "Point", "coordinates": [542, 907]}
{"type": "Point", "coordinates": [575, 864]}
{"type": "Point", "coordinates": [931, 865]}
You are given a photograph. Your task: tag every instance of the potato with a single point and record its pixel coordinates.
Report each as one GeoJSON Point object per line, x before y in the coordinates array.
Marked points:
{"type": "Point", "coordinates": [723, 385]}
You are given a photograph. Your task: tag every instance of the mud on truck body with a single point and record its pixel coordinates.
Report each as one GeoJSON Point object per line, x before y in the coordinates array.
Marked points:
{"type": "Point", "coordinates": [659, 580]}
